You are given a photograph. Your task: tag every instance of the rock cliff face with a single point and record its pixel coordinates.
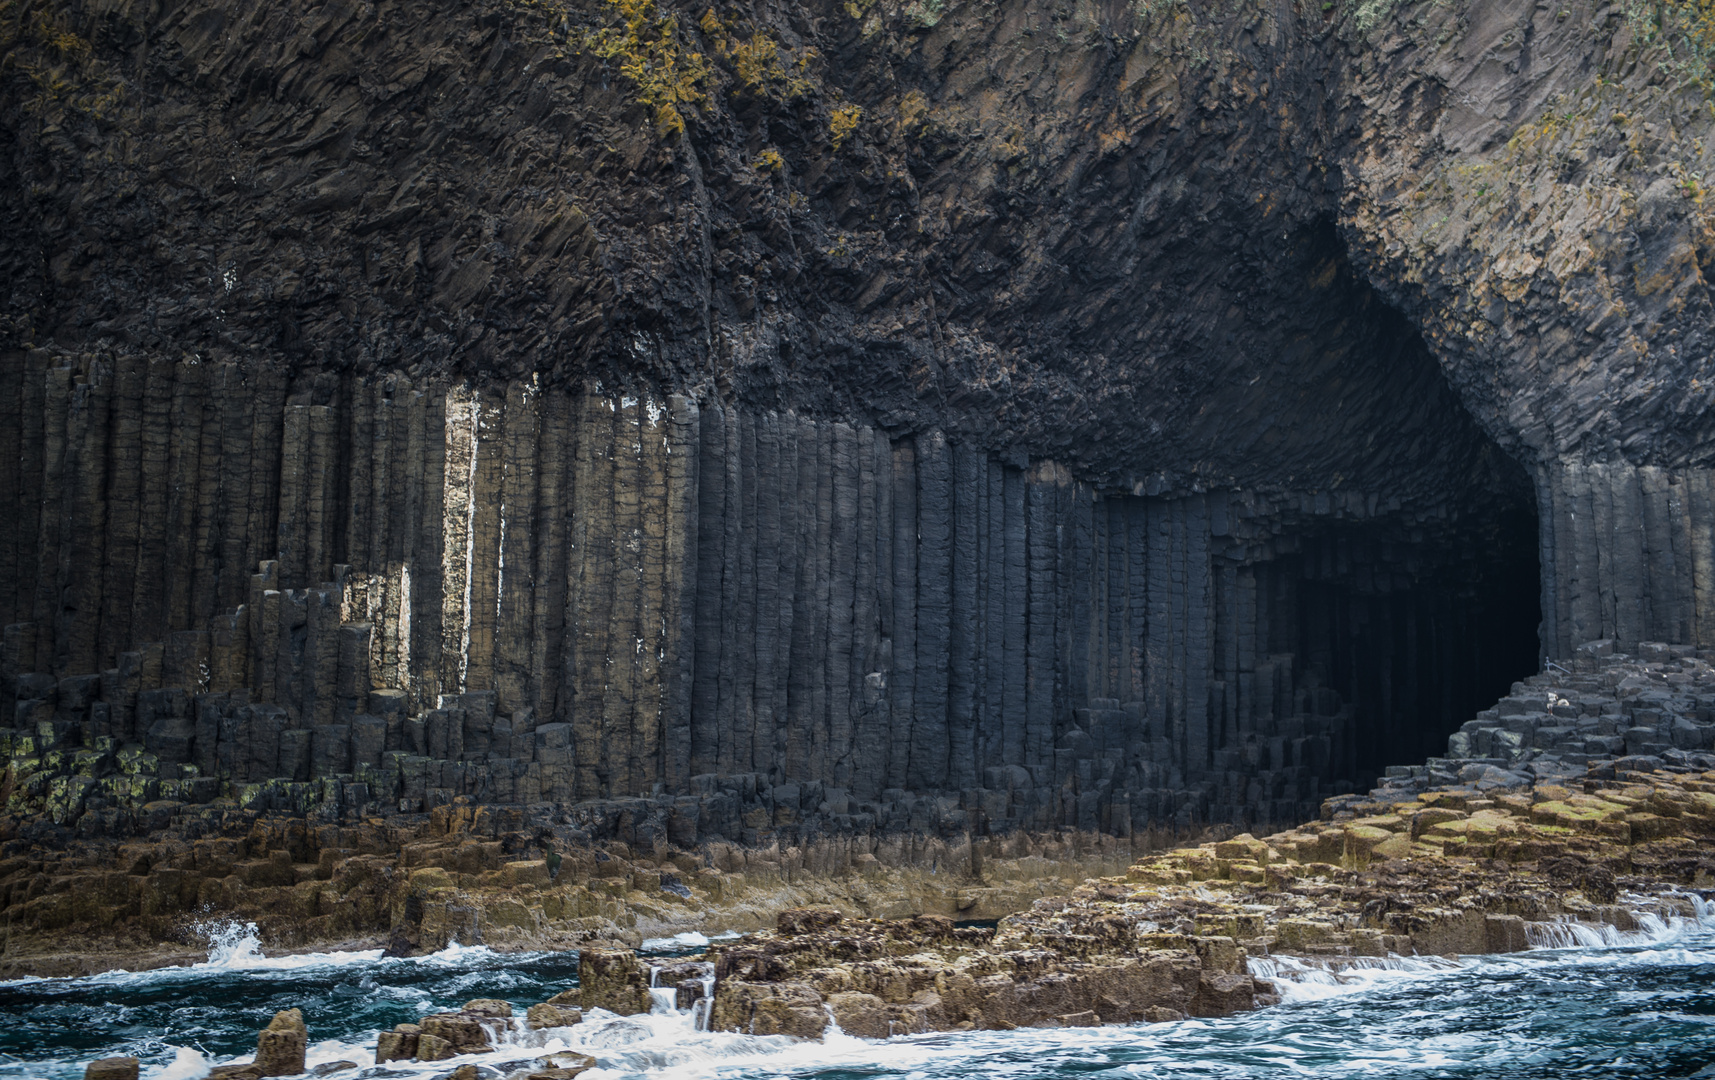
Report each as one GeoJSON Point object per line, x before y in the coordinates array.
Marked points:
{"type": "Point", "coordinates": [832, 417]}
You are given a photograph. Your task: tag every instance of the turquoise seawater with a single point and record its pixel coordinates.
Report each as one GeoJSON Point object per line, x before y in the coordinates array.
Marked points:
{"type": "Point", "coordinates": [1642, 1005]}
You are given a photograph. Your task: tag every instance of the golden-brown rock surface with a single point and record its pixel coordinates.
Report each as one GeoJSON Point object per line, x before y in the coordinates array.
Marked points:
{"type": "Point", "coordinates": [1452, 871]}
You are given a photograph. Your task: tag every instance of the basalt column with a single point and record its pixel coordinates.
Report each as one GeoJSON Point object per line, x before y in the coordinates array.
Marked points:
{"type": "Point", "coordinates": [388, 593]}
{"type": "Point", "coordinates": [1628, 553]}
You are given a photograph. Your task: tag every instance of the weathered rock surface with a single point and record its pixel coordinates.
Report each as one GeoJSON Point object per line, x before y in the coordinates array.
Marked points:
{"type": "Point", "coordinates": [1041, 225]}
{"type": "Point", "coordinates": [1197, 932]}
{"type": "Point", "coordinates": [885, 978]}
{"type": "Point", "coordinates": [439, 1036]}
{"type": "Point", "coordinates": [422, 882]}
{"type": "Point", "coordinates": [1600, 710]}
{"type": "Point", "coordinates": [280, 1048]}
{"type": "Point", "coordinates": [612, 979]}
{"type": "Point", "coordinates": [112, 1068]}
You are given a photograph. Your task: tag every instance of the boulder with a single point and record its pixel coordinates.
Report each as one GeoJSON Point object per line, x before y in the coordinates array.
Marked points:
{"type": "Point", "coordinates": [612, 979]}
{"type": "Point", "coordinates": [462, 1031]}
{"type": "Point", "coordinates": [400, 1044]}
{"type": "Point", "coordinates": [112, 1068]}
{"type": "Point", "coordinates": [768, 1009]}
{"type": "Point", "coordinates": [433, 1048]}
{"type": "Point", "coordinates": [280, 1047]}
{"type": "Point", "coordinates": [546, 1015]}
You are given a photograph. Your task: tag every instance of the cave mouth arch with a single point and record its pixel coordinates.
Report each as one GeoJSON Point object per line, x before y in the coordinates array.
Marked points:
{"type": "Point", "coordinates": [1383, 610]}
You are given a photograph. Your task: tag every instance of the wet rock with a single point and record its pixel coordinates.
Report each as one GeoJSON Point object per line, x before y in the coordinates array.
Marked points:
{"type": "Point", "coordinates": [434, 1048]}
{"type": "Point", "coordinates": [492, 1008]}
{"type": "Point", "coordinates": [769, 1009]}
{"type": "Point", "coordinates": [546, 1015]}
{"type": "Point", "coordinates": [612, 979]}
{"type": "Point", "coordinates": [329, 1068]}
{"type": "Point", "coordinates": [461, 1032]}
{"type": "Point", "coordinates": [400, 1044]}
{"type": "Point", "coordinates": [281, 1045]}
{"type": "Point", "coordinates": [112, 1068]}
{"type": "Point", "coordinates": [1504, 934]}
{"type": "Point", "coordinates": [400, 944]}
{"type": "Point", "coordinates": [688, 978]}
{"type": "Point", "coordinates": [863, 1015]}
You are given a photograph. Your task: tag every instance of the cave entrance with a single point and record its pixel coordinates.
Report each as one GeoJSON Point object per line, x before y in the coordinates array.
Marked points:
{"type": "Point", "coordinates": [1396, 638]}
{"type": "Point", "coordinates": [1361, 644]}
{"type": "Point", "coordinates": [1394, 599]}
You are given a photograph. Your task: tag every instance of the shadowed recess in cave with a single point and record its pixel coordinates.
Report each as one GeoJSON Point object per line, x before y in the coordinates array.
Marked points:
{"type": "Point", "coordinates": [1338, 631]}
{"type": "Point", "coordinates": [711, 620]}
{"type": "Point", "coordinates": [1330, 651]}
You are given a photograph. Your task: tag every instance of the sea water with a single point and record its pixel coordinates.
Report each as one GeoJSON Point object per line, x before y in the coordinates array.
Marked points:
{"type": "Point", "coordinates": [1585, 1003]}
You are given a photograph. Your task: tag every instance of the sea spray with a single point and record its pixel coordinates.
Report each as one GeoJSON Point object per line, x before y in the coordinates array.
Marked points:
{"type": "Point", "coordinates": [1640, 1010]}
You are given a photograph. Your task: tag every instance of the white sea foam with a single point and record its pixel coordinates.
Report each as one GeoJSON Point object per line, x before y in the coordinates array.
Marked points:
{"type": "Point", "coordinates": [690, 939]}
{"type": "Point", "coordinates": [235, 946]}
{"type": "Point", "coordinates": [1661, 921]}
{"type": "Point", "coordinates": [1298, 979]}
{"type": "Point", "coordinates": [187, 1064]}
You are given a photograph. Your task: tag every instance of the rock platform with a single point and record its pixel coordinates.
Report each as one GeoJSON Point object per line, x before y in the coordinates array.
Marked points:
{"type": "Point", "coordinates": [1453, 870]}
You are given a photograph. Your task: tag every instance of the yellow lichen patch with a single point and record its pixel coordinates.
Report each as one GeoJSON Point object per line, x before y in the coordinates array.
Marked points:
{"type": "Point", "coordinates": [1156, 874]}
{"type": "Point", "coordinates": [1248, 873]}
{"type": "Point", "coordinates": [757, 61]}
{"type": "Point", "coordinates": [1397, 846]}
{"type": "Point", "coordinates": [1380, 821]}
{"type": "Point", "coordinates": [1243, 846]}
{"type": "Point", "coordinates": [1361, 842]}
{"type": "Point", "coordinates": [57, 61]}
{"type": "Point", "coordinates": [842, 122]}
{"type": "Point", "coordinates": [670, 78]}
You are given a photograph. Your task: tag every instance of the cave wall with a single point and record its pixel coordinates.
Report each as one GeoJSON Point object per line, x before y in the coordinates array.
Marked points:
{"type": "Point", "coordinates": [1628, 553]}
{"type": "Point", "coordinates": [257, 586]}
{"type": "Point", "coordinates": [1119, 400]}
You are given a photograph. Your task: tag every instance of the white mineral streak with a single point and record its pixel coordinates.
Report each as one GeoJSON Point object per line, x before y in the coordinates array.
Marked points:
{"type": "Point", "coordinates": [457, 509]}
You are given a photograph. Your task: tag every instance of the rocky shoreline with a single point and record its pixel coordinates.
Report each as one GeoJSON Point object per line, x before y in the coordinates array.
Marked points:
{"type": "Point", "coordinates": [1202, 931]}
{"type": "Point", "coordinates": [461, 875]}
{"type": "Point", "coordinates": [1545, 840]}
{"type": "Point", "coordinates": [1193, 932]}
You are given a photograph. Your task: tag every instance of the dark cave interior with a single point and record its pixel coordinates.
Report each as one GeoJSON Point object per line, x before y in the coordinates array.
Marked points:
{"type": "Point", "coordinates": [1410, 651]}
{"type": "Point", "coordinates": [1399, 626]}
